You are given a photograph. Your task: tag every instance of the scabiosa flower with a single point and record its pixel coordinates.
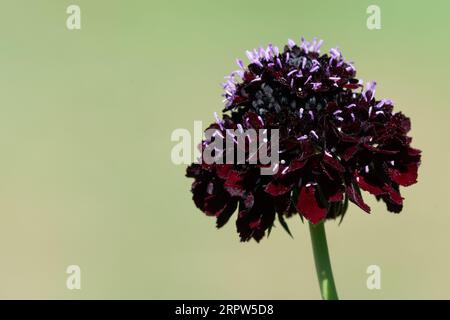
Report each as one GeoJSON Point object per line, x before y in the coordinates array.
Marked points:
{"type": "Point", "coordinates": [335, 139]}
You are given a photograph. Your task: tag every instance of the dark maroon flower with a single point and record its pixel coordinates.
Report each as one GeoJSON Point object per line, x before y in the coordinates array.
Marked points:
{"type": "Point", "coordinates": [335, 138]}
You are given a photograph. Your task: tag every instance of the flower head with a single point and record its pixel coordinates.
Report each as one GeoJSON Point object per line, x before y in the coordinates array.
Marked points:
{"type": "Point", "coordinates": [335, 139]}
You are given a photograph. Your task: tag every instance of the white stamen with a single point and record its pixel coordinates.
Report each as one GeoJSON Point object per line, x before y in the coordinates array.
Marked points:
{"type": "Point", "coordinates": [275, 167]}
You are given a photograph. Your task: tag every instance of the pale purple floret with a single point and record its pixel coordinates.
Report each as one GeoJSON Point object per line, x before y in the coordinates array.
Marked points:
{"type": "Point", "coordinates": [313, 46]}
{"type": "Point", "coordinates": [276, 51]}
{"type": "Point", "coordinates": [317, 45]}
{"type": "Point", "coordinates": [335, 53]}
{"type": "Point", "coordinates": [240, 63]}
{"type": "Point", "coordinates": [309, 79]}
{"type": "Point", "coordinates": [369, 90]}
{"type": "Point", "coordinates": [303, 63]}
{"type": "Point", "coordinates": [316, 85]}
{"type": "Point", "coordinates": [314, 134]}
{"type": "Point", "coordinates": [249, 55]}
{"type": "Point", "coordinates": [279, 63]}
{"type": "Point", "coordinates": [262, 52]}
{"type": "Point", "coordinates": [218, 120]}
{"type": "Point", "coordinates": [314, 69]}
{"type": "Point", "coordinates": [291, 43]}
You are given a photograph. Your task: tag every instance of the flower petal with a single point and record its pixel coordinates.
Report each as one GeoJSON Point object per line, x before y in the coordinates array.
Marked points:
{"type": "Point", "coordinates": [404, 178]}
{"type": "Point", "coordinates": [278, 187]}
{"type": "Point", "coordinates": [355, 196]}
{"type": "Point", "coordinates": [308, 205]}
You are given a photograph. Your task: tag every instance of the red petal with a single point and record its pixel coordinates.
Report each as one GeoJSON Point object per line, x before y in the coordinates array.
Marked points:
{"type": "Point", "coordinates": [234, 184]}
{"type": "Point", "coordinates": [338, 196]}
{"type": "Point", "coordinates": [308, 206]}
{"type": "Point", "coordinates": [394, 195]}
{"type": "Point", "coordinates": [278, 188]}
{"type": "Point", "coordinates": [349, 152]}
{"type": "Point", "coordinates": [223, 170]}
{"type": "Point", "coordinates": [296, 165]}
{"type": "Point", "coordinates": [404, 178]}
{"type": "Point", "coordinates": [253, 120]}
{"type": "Point", "coordinates": [333, 163]}
{"type": "Point", "coordinates": [375, 190]}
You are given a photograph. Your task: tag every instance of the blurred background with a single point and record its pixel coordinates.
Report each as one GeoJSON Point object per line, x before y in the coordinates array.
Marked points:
{"type": "Point", "coordinates": [85, 172]}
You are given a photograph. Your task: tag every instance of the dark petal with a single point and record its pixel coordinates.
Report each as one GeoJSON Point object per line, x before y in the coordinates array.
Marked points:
{"type": "Point", "coordinates": [354, 196]}
{"type": "Point", "coordinates": [374, 184]}
{"type": "Point", "coordinates": [214, 205]}
{"type": "Point", "coordinates": [252, 120]}
{"type": "Point", "coordinates": [413, 152]}
{"type": "Point", "coordinates": [402, 121]}
{"type": "Point", "coordinates": [326, 171]}
{"type": "Point", "coordinates": [249, 200]}
{"type": "Point", "coordinates": [296, 165]}
{"type": "Point", "coordinates": [377, 150]}
{"type": "Point", "coordinates": [333, 163]}
{"type": "Point", "coordinates": [225, 215]}
{"type": "Point", "coordinates": [349, 152]}
{"type": "Point", "coordinates": [331, 188]}
{"type": "Point", "coordinates": [366, 186]}
{"type": "Point", "coordinates": [348, 138]}
{"type": "Point", "coordinates": [390, 205]}
{"type": "Point", "coordinates": [283, 204]}
{"type": "Point", "coordinates": [308, 205]}
{"type": "Point", "coordinates": [252, 223]}
{"type": "Point", "coordinates": [223, 170]}
{"type": "Point", "coordinates": [234, 183]}
{"type": "Point", "coordinates": [278, 187]}
{"type": "Point", "coordinates": [405, 177]}
{"type": "Point", "coordinates": [193, 170]}
{"type": "Point", "coordinates": [199, 194]}
{"type": "Point", "coordinates": [394, 195]}
{"type": "Point", "coordinates": [338, 196]}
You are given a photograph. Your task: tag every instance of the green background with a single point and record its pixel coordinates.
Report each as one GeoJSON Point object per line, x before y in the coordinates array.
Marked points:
{"type": "Point", "coordinates": [85, 170]}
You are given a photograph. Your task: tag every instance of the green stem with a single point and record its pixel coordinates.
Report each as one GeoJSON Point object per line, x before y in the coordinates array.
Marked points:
{"type": "Point", "coordinates": [322, 261]}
